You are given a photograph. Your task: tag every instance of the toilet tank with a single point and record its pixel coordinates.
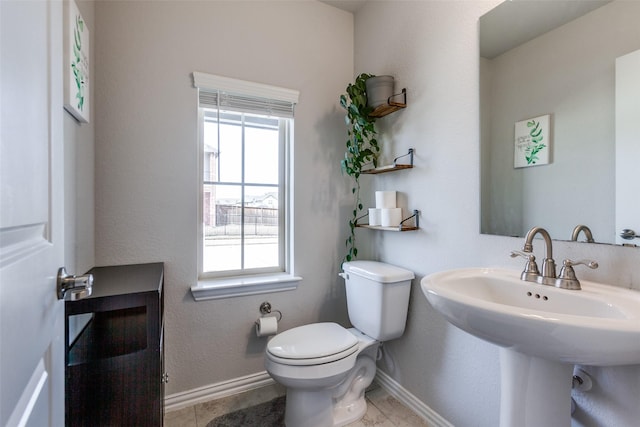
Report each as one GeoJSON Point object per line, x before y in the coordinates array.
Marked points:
{"type": "Point", "coordinates": [377, 298]}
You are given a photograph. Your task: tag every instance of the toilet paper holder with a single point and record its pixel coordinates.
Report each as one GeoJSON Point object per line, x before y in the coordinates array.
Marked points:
{"type": "Point", "coordinates": [265, 308]}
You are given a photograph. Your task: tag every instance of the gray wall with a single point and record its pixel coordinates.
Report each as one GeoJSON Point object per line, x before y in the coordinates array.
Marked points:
{"type": "Point", "coordinates": [431, 47]}
{"type": "Point", "coordinates": [146, 154]}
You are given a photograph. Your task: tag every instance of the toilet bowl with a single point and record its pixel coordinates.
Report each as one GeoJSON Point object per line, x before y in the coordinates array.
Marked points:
{"type": "Point", "coordinates": [326, 367]}
{"type": "Point", "coordinates": [325, 372]}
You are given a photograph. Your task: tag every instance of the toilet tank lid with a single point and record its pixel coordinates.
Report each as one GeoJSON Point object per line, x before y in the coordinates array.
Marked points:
{"type": "Point", "coordinates": [378, 271]}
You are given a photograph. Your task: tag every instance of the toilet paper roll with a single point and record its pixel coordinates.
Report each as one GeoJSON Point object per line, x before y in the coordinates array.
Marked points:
{"type": "Point", "coordinates": [391, 217]}
{"type": "Point", "coordinates": [375, 216]}
{"type": "Point", "coordinates": [266, 326]}
{"type": "Point", "coordinates": [385, 199]}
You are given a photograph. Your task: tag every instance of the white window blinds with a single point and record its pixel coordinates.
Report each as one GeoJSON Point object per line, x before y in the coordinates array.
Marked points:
{"type": "Point", "coordinates": [242, 96]}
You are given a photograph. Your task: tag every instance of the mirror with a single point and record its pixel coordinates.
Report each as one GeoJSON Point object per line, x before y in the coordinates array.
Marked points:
{"type": "Point", "coordinates": [555, 61]}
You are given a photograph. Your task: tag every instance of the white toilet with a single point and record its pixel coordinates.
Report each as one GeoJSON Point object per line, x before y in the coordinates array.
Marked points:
{"type": "Point", "coordinates": [325, 367]}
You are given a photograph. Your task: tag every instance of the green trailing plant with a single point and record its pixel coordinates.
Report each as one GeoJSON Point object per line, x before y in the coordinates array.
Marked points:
{"type": "Point", "coordinates": [362, 148]}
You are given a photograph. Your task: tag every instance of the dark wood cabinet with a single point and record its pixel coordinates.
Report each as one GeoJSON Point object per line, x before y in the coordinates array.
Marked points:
{"type": "Point", "coordinates": [114, 365]}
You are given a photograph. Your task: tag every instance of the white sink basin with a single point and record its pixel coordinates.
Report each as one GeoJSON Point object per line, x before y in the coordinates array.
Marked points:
{"type": "Point", "coordinates": [598, 325]}
{"type": "Point", "coordinates": [542, 331]}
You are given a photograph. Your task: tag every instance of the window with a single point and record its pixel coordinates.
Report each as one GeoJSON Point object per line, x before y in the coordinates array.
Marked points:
{"type": "Point", "coordinates": [243, 192]}
{"type": "Point", "coordinates": [245, 132]}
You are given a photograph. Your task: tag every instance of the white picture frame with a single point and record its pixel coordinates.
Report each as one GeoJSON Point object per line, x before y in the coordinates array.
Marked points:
{"type": "Point", "coordinates": [76, 63]}
{"type": "Point", "coordinates": [532, 143]}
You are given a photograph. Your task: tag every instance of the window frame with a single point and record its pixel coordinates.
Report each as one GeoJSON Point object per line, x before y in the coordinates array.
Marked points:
{"type": "Point", "coordinates": [283, 233]}
{"type": "Point", "coordinates": [231, 283]}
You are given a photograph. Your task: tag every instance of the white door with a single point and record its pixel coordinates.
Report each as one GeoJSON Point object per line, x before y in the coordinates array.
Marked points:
{"type": "Point", "coordinates": [31, 214]}
{"type": "Point", "coordinates": [627, 146]}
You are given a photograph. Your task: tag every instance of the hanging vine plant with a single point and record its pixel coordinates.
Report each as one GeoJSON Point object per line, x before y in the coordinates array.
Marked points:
{"type": "Point", "coordinates": [362, 148]}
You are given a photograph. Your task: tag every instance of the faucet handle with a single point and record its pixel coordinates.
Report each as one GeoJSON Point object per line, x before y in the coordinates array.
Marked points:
{"type": "Point", "coordinates": [567, 278]}
{"type": "Point", "coordinates": [569, 263]}
{"type": "Point", "coordinates": [530, 272]}
{"type": "Point", "coordinates": [528, 255]}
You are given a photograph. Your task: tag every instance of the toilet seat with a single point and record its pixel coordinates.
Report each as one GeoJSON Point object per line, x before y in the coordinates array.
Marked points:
{"type": "Point", "coordinates": [313, 344]}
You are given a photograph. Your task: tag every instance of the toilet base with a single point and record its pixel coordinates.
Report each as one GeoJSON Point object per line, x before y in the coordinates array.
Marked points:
{"type": "Point", "coordinates": [315, 400]}
{"type": "Point", "coordinates": [308, 408]}
{"type": "Point", "coordinates": [350, 404]}
{"type": "Point", "coordinates": [334, 406]}
{"type": "Point", "coordinates": [347, 415]}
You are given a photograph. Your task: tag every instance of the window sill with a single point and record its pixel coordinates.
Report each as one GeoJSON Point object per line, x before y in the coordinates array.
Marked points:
{"type": "Point", "coordinates": [207, 289]}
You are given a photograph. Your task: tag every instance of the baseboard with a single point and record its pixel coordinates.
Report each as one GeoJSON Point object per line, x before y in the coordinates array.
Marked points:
{"type": "Point", "coordinates": [410, 401]}
{"type": "Point", "coordinates": [262, 379]}
{"type": "Point", "coordinates": [216, 391]}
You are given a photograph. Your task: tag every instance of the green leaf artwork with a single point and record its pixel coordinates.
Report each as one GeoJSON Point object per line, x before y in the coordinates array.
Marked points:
{"type": "Point", "coordinates": [76, 63]}
{"type": "Point", "coordinates": [536, 142]}
{"type": "Point", "coordinates": [531, 144]}
{"type": "Point", "coordinates": [77, 94]}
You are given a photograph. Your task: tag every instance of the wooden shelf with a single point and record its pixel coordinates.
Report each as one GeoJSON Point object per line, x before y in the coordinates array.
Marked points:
{"type": "Point", "coordinates": [384, 169]}
{"type": "Point", "coordinates": [111, 334]}
{"type": "Point", "coordinates": [379, 227]}
{"type": "Point", "coordinates": [401, 227]}
{"type": "Point", "coordinates": [385, 110]}
{"type": "Point", "coordinates": [394, 166]}
{"type": "Point", "coordinates": [390, 106]}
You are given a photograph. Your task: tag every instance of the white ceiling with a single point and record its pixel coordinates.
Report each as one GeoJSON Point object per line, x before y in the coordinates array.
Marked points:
{"type": "Point", "coordinates": [514, 22]}
{"type": "Point", "coordinates": [348, 5]}
{"type": "Point", "coordinates": [507, 25]}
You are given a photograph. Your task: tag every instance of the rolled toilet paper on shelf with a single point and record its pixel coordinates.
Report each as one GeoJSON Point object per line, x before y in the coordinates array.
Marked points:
{"type": "Point", "coordinates": [385, 199]}
{"type": "Point", "coordinates": [266, 326]}
{"type": "Point", "coordinates": [375, 217]}
{"type": "Point", "coordinates": [391, 217]}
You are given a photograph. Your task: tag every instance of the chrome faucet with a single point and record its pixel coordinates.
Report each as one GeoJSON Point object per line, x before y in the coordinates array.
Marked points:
{"type": "Point", "coordinates": [585, 230]}
{"type": "Point", "coordinates": [567, 278]}
{"type": "Point", "coordinates": [548, 276]}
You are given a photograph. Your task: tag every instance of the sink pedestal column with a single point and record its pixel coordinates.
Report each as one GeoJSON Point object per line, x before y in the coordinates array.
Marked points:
{"type": "Point", "coordinates": [534, 391]}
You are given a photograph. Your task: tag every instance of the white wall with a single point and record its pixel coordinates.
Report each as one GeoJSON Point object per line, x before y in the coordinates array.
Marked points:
{"type": "Point", "coordinates": [146, 183]}
{"type": "Point", "coordinates": [79, 174]}
{"type": "Point", "coordinates": [431, 47]}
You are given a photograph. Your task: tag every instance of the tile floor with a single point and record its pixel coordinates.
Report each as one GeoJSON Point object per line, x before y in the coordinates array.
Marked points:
{"type": "Point", "coordinates": [383, 410]}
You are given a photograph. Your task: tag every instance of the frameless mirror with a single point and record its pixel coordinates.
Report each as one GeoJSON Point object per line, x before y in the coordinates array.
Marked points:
{"type": "Point", "coordinates": [557, 61]}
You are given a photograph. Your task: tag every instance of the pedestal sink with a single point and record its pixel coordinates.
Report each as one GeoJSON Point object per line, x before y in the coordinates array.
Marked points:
{"type": "Point", "coordinates": [542, 331]}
